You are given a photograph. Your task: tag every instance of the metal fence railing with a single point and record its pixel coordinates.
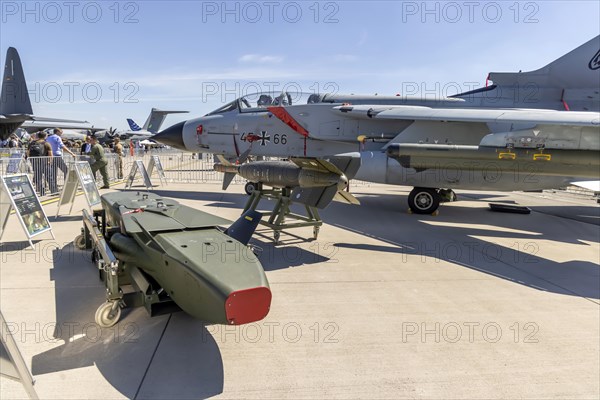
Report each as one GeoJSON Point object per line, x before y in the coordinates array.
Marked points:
{"type": "Point", "coordinates": [48, 173]}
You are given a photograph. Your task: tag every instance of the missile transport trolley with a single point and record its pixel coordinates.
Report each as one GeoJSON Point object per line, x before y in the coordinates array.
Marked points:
{"type": "Point", "coordinates": [156, 253]}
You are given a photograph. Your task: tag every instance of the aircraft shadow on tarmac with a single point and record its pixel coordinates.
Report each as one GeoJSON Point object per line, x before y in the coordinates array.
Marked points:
{"type": "Point", "coordinates": [294, 249]}
{"type": "Point", "coordinates": [169, 356]}
{"type": "Point", "coordinates": [466, 236]}
{"type": "Point", "coordinates": [457, 236]}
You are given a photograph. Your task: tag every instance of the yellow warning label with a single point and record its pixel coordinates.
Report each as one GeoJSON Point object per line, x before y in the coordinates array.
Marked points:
{"type": "Point", "coordinates": [507, 156]}
{"type": "Point", "coordinates": [542, 157]}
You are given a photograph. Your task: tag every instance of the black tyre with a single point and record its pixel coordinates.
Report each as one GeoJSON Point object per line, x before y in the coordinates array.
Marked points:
{"type": "Point", "coordinates": [79, 242]}
{"type": "Point", "coordinates": [250, 188]}
{"type": "Point", "coordinates": [423, 200]}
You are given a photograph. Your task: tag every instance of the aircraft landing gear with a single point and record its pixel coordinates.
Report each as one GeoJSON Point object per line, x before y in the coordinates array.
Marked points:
{"type": "Point", "coordinates": [251, 187]}
{"type": "Point", "coordinates": [424, 200]}
{"type": "Point", "coordinates": [447, 195]}
{"type": "Point", "coordinates": [427, 200]}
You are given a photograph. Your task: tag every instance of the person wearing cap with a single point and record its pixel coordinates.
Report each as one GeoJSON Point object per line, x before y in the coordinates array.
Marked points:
{"type": "Point", "coordinates": [100, 162]}
{"type": "Point", "coordinates": [118, 149]}
{"type": "Point", "coordinates": [13, 141]}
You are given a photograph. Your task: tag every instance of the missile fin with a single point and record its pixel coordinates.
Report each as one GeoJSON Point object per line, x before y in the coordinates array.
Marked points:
{"type": "Point", "coordinates": [346, 197]}
{"type": "Point", "coordinates": [227, 179]}
{"type": "Point", "coordinates": [223, 160]}
{"type": "Point", "coordinates": [243, 229]}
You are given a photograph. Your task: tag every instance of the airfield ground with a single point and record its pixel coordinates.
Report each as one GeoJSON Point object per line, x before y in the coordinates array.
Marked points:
{"type": "Point", "coordinates": [467, 304]}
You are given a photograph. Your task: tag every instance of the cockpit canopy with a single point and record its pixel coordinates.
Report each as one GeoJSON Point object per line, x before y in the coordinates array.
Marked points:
{"type": "Point", "coordinates": [257, 102]}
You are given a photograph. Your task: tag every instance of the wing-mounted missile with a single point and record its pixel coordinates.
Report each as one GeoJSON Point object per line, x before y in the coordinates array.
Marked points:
{"type": "Point", "coordinates": [228, 178]}
{"type": "Point", "coordinates": [315, 182]}
{"type": "Point", "coordinates": [208, 272]}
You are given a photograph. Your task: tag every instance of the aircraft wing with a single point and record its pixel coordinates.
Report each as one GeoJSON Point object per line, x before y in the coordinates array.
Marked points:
{"type": "Point", "coordinates": [36, 124]}
{"type": "Point", "coordinates": [57, 120]}
{"type": "Point", "coordinates": [419, 113]}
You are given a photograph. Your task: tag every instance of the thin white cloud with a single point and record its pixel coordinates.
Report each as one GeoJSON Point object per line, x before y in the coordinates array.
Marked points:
{"type": "Point", "coordinates": [260, 59]}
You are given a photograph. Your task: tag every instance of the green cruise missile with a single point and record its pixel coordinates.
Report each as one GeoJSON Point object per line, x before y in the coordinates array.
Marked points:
{"type": "Point", "coordinates": [183, 256]}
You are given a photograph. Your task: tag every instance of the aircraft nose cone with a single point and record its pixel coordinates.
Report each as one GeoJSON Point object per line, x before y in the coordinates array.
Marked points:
{"type": "Point", "coordinates": [172, 136]}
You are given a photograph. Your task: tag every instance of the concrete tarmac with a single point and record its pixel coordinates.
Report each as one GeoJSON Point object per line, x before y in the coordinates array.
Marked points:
{"type": "Point", "coordinates": [468, 304]}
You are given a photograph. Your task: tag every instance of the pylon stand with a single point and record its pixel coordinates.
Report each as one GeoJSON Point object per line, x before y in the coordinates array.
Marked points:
{"type": "Point", "coordinates": [281, 214]}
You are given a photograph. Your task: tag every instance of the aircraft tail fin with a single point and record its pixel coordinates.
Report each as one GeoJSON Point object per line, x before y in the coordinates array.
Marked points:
{"type": "Point", "coordinates": [243, 229]}
{"type": "Point", "coordinates": [134, 127]}
{"type": "Point", "coordinates": [14, 98]}
{"type": "Point", "coordinates": [578, 69]}
{"type": "Point", "coordinates": [156, 119]}
{"type": "Point", "coordinates": [570, 82]}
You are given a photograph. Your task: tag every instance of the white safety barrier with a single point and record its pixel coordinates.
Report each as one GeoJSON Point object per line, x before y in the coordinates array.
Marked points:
{"type": "Point", "coordinates": [48, 173]}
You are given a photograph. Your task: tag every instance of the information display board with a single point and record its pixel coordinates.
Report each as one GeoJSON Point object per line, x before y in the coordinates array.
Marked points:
{"type": "Point", "coordinates": [21, 197]}
{"type": "Point", "coordinates": [79, 175]}
{"type": "Point", "coordinates": [88, 183]}
{"type": "Point", "coordinates": [138, 165]}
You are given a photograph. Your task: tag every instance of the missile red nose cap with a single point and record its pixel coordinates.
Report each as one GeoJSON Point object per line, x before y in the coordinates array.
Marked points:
{"type": "Point", "coordinates": [248, 305]}
{"type": "Point", "coordinates": [172, 136]}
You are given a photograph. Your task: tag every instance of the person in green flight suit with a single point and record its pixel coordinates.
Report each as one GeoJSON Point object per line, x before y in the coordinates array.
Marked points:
{"type": "Point", "coordinates": [100, 162]}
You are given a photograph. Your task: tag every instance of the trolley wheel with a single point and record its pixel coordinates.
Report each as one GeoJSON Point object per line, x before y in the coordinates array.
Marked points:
{"type": "Point", "coordinates": [79, 242]}
{"type": "Point", "coordinates": [108, 314]}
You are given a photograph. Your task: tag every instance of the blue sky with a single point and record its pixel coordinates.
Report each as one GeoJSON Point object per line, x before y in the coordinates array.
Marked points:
{"type": "Point", "coordinates": [106, 61]}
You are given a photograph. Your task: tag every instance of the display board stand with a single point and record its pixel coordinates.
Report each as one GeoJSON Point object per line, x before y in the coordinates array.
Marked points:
{"type": "Point", "coordinates": [155, 162]}
{"type": "Point", "coordinates": [79, 174]}
{"type": "Point", "coordinates": [138, 165]}
{"type": "Point", "coordinates": [12, 364]}
{"type": "Point", "coordinates": [17, 193]}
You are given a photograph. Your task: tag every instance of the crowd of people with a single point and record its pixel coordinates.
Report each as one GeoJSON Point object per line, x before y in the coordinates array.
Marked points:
{"type": "Point", "coordinates": [45, 152]}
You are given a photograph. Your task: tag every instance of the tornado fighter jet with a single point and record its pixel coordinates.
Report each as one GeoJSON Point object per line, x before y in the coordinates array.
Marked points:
{"type": "Point", "coordinates": [524, 131]}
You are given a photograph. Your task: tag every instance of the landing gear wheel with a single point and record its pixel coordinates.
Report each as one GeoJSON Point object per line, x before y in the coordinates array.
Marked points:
{"type": "Point", "coordinates": [79, 242]}
{"type": "Point", "coordinates": [423, 200]}
{"type": "Point", "coordinates": [276, 236]}
{"type": "Point", "coordinates": [108, 314]}
{"type": "Point", "coordinates": [447, 195]}
{"type": "Point", "coordinates": [250, 188]}
{"type": "Point", "coordinates": [315, 232]}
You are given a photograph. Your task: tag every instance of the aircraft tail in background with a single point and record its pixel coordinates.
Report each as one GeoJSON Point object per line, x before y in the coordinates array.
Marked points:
{"type": "Point", "coordinates": [571, 82]}
{"type": "Point", "coordinates": [14, 98]}
{"type": "Point", "coordinates": [134, 127]}
{"type": "Point", "coordinates": [156, 119]}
